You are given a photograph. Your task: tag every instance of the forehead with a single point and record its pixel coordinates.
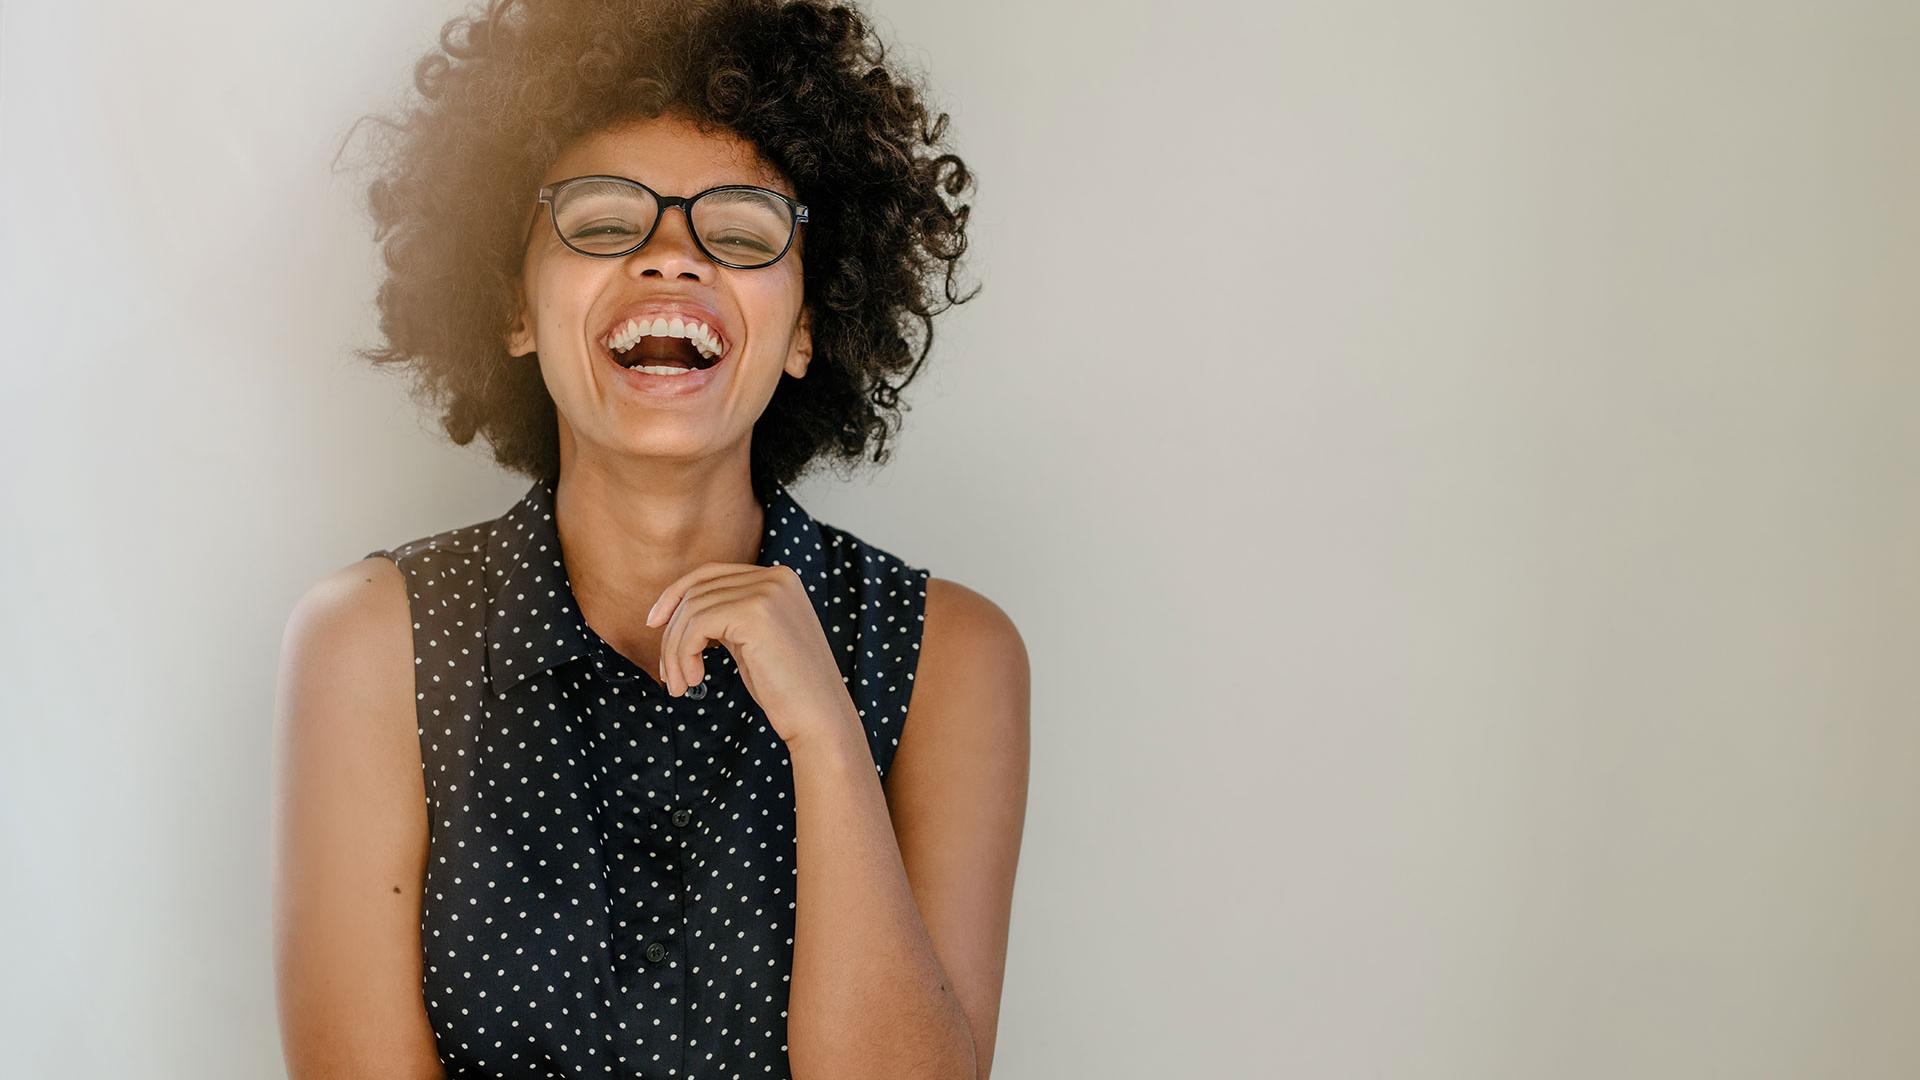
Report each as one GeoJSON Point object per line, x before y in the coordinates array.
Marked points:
{"type": "Point", "coordinates": [669, 153]}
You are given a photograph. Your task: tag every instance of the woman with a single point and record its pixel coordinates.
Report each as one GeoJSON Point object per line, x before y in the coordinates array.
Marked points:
{"type": "Point", "coordinates": [653, 775]}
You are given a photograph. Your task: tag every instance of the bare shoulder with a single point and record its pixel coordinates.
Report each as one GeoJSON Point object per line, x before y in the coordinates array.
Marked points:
{"type": "Point", "coordinates": [366, 596]}
{"type": "Point", "coordinates": [346, 658]}
{"type": "Point", "coordinates": [350, 832]}
{"type": "Point", "coordinates": [957, 792]}
{"type": "Point", "coordinates": [973, 669]}
{"type": "Point", "coordinates": [963, 626]}
{"type": "Point", "coordinates": [971, 684]}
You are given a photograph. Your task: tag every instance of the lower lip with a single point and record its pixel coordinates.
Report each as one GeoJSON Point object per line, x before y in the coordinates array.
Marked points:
{"type": "Point", "coordinates": [664, 386]}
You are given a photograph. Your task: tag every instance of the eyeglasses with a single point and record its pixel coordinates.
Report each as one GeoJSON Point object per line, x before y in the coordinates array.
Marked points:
{"type": "Point", "coordinates": [736, 225]}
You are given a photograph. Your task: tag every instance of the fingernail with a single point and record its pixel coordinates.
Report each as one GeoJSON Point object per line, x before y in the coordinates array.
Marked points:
{"type": "Point", "coordinates": [651, 610]}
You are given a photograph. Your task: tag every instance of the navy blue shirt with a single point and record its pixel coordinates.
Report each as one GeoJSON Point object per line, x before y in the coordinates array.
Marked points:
{"type": "Point", "coordinates": [611, 872]}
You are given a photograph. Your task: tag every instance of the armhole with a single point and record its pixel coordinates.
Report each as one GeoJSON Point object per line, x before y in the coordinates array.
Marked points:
{"type": "Point", "coordinates": [905, 665]}
{"type": "Point", "coordinates": [413, 687]}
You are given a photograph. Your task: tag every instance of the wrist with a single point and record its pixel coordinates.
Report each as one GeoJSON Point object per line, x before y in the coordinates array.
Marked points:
{"type": "Point", "coordinates": [838, 735]}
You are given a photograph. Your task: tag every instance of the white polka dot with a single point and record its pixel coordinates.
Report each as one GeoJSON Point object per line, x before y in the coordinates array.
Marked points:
{"type": "Point", "coordinates": [611, 877]}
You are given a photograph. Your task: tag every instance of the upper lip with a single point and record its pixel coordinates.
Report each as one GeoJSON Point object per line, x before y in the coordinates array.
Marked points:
{"type": "Point", "coordinates": [667, 308]}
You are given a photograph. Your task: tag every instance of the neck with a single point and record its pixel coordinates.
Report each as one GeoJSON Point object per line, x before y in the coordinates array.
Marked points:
{"type": "Point", "coordinates": [627, 534]}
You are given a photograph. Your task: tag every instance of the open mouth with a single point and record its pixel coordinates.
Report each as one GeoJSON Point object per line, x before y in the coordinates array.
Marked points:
{"type": "Point", "coordinates": [662, 356]}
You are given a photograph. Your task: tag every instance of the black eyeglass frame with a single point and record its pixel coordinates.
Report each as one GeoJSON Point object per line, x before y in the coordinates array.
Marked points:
{"type": "Point", "coordinates": [665, 203]}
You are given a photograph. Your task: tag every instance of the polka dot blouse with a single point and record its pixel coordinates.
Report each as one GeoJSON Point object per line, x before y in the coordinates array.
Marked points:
{"type": "Point", "coordinates": [611, 873]}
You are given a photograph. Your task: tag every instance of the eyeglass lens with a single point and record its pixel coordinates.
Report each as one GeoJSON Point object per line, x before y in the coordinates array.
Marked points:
{"type": "Point", "coordinates": [738, 227]}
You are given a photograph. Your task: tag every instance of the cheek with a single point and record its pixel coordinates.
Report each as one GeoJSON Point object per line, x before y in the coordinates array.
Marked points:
{"type": "Point", "coordinates": [561, 296]}
{"type": "Point", "coordinates": [773, 306]}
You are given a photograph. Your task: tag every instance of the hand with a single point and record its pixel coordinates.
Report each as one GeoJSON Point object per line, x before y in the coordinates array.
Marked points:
{"type": "Point", "coordinates": [763, 616]}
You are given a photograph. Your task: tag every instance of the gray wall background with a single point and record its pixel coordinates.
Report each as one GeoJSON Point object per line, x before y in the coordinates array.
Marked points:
{"type": "Point", "coordinates": [1470, 571]}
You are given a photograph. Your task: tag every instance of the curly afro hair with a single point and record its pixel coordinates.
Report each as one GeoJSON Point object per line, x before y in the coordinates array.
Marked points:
{"type": "Point", "coordinates": [804, 81]}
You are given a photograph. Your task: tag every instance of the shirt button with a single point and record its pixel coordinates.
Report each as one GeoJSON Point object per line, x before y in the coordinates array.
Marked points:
{"type": "Point", "coordinates": [682, 817]}
{"type": "Point", "coordinates": [656, 952]}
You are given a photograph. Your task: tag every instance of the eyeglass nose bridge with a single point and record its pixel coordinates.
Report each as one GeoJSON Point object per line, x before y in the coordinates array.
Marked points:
{"type": "Point", "coordinates": [665, 203]}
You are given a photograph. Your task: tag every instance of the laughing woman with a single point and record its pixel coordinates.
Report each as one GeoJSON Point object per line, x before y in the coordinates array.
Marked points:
{"type": "Point", "coordinates": [654, 774]}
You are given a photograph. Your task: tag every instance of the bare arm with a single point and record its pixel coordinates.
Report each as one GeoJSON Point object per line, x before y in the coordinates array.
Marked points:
{"type": "Point", "coordinates": [905, 891]}
{"type": "Point", "coordinates": [350, 835]}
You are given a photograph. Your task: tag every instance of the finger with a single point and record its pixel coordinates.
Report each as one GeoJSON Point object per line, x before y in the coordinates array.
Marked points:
{"type": "Point", "coordinates": [697, 622]}
{"type": "Point", "coordinates": [676, 597]}
{"type": "Point", "coordinates": [681, 634]}
{"type": "Point", "coordinates": [676, 591]}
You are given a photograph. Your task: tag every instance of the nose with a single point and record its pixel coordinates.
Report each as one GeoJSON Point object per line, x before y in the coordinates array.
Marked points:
{"type": "Point", "coordinates": [671, 251]}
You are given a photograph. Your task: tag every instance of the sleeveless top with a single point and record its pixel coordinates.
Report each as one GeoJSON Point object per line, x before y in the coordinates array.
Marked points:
{"type": "Point", "coordinates": [610, 877]}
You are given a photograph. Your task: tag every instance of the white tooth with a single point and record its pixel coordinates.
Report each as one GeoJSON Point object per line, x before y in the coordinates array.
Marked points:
{"type": "Point", "coordinates": [700, 334]}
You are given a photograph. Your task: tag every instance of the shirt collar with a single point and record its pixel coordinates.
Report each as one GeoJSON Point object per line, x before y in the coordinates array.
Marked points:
{"type": "Point", "coordinates": [533, 623]}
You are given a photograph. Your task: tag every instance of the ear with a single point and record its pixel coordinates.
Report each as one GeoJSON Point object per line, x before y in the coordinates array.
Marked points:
{"type": "Point", "coordinates": [520, 335]}
{"type": "Point", "coordinates": [800, 353]}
